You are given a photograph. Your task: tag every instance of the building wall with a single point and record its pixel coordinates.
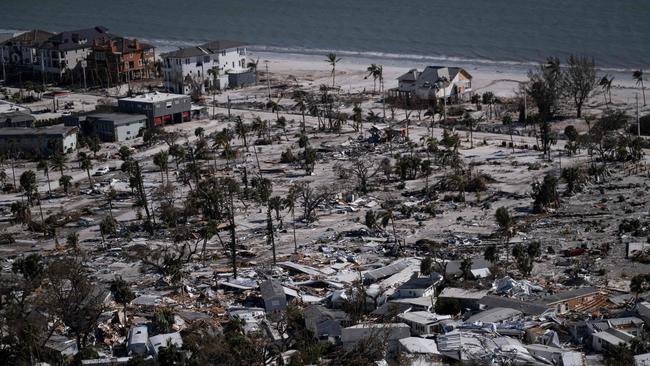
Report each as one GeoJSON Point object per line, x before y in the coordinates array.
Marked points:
{"type": "Point", "coordinates": [55, 62]}
{"type": "Point", "coordinates": [128, 132]}
{"type": "Point", "coordinates": [158, 113]}
{"type": "Point", "coordinates": [31, 145]}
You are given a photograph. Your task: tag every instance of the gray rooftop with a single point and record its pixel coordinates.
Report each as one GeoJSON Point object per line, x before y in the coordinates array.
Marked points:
{"type": "Point", "coordinates": [204, 49]}
{"type": "Point", "coordinates": [494, 315]}
{"type": "Point", "coordinates": [45, 131]}
{"type": "Point", "coordinates": [566, 295]}
{"type": "Point", "coordinates": [526, 307]}
{"type": "Point", "coordinates": [119, 118]}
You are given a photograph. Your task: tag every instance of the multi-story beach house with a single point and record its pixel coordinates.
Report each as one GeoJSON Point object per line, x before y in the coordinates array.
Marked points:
{"type": "Point", "coordinates": [65, 52]}
{"type": "Point", "coordinates": [19, 52]}
{"type": "Point", "coordinates": [120, 59]}
{"type": "Point", "coordinates": [434, 82]}
{"type": "Point", "coordinates": [196, 70]}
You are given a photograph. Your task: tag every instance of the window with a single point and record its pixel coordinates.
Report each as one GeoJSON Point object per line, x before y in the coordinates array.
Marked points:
{"type": "Point", "coordinates": [233, 64]}
{"type": "Point", "coordinates": [223, 53]}
{"type": "Point", "coordinates": [187, 61]}
{"type": "Point", "coordinates": [206, 59]}
{"type": "Point", "coordinates": [169, 105]}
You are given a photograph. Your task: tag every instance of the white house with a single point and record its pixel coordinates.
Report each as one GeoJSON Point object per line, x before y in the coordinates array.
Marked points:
{"type": "Point", "coordinates": [418, 287]}
{"type": "Point", "coordinates": [187, 70]}
{"type": "Point", "coordinates": [434, 82]}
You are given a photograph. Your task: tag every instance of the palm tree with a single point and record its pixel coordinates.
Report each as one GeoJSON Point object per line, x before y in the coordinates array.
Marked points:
{"type": "Point", "coordinates": [251, 65]}
{"type": "Point", "coordinates": [638, 76]}
{"type": "Point", "coordinates": [357, 116]}
{"type": "Point", "coordinates": [389, 216]}
{"type": "Point", "coordinates": [66, 182]}
{"type": "Point", "coordinates": [28, 185]}
{"type": "Point", "coordinates": [332, 59]}
{"type": "Point", "coordinates": [606, 84]}
{"type": "Point", "coordinates": [275, 107]}
{"type": "Point", "coordinates": [86, 164]}
{"type": "Point", "coordinates": [301, 105]}
{"type": "Point", "coordinates": [59, 162]}
{"type": "Point", "coordinates": [22, 213]}
{"type": "Point", "coordinates": [45, 167]}
{"type": "Point", "coordinates": [241, 129]}
{"type": "Point", "coordinates": [373, 71]}
{"type": "Point", "coordinates": [290, 204]}
{"type": "Point", "coordinates": [506, 227]}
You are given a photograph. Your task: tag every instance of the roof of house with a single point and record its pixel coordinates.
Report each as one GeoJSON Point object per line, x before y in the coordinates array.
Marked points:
{"type": "Point", "coordinates": [423, 317]}
{"type": "Point", "coordinates": [126, 45]}
{"type": "Point", "coordinates": [567, 295]}
{"type": "Point", "coordinates": [30, 38]}
{"type": "Point", "coordinates": [76, 39]}
{"type": "Point", "coordinates": [419, 345]}
{"type": "Point", "coordinates": [435, 73]}
{"type": "Point", "coordinates": [162, 340]}
{"type": "Point", "coordinates": [526, 307]}
{"type": "Point", "coordinates": [494, 315]}
{"type": "Point", "coordinates": [119, 118]}
{"type": "Point", "coordinates": [45, 131]}
{"type": "Point", "coordinates": [323, 312]}
{"type": "Point", "coordinates": [386, 271]}
{"type": "Point", "coordinates": [16, 116]}
{"type": "Point", "coordinates": [208, 48]}
{"type": "Point", "coordinates": [461, 293]}
{"type": "Point", "coordinates": [608, 337]}
{"type": "Point", "coordinates": [421, 282]}
{"type": "Point", "coordinates": [410, 75]}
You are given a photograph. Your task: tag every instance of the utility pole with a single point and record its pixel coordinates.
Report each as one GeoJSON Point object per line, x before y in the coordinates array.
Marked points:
{"type": "Point", "coordinates": [638, 120]}
{"type": "Point", "coordinates": [43, 68]}
{"type": "Point", "coordinates": [4, 72]}
{"type": "Point", "coordinates": [268, 78]}
{"type": "Point", "coordinates": [83, 67]}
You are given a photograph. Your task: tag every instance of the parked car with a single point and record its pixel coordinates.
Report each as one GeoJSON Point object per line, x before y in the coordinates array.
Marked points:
{"type": "Point", "coordinates": [103, 170]}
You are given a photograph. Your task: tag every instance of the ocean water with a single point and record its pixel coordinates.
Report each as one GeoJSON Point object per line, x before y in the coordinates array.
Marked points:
{"type": "Point", "coordinates": [616, 33]}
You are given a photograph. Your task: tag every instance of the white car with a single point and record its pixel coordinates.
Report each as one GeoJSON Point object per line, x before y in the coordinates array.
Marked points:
{"type": "Point", "coordinates": [101, 171]}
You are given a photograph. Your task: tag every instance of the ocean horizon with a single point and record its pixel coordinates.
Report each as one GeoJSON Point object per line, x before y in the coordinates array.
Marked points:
{"type": "Point", "coordinates": [506, 33]}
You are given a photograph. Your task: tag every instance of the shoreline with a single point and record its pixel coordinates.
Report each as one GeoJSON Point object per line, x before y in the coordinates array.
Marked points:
{"type": "Point", "coordinates": [380, 57]}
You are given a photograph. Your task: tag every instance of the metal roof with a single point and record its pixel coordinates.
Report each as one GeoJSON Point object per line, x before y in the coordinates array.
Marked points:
{"type": "Point", "coordinates": [494, 315]}
{"type": "Point", "coordinates": [566, 295]}
{"type": "Point", "coordinates": [420, 345]}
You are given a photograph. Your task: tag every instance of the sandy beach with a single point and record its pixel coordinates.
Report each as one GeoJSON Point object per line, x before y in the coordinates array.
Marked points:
{"type": "Point", "coordinates": [501, 79]}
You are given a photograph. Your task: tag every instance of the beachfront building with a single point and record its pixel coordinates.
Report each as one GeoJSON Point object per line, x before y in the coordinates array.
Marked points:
{"type": "Point", "coordinates": [38, 141]}
{"type": "Point", "coordinates": [186, 71]}
{"type": "Point", "coordinates": [434, 82]}
{"type": "Point", "coordinates": [18, 54]}
{"type": "Point", "coordinates": [65, 52]}
{"type": "Point", "coordinates": [120, 60]}
{"type": "Point", "coordinates": [160, 108]}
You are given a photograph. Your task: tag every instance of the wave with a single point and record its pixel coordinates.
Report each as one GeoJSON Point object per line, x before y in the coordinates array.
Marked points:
{"type": "Point", "coordinates": [395, 57]}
